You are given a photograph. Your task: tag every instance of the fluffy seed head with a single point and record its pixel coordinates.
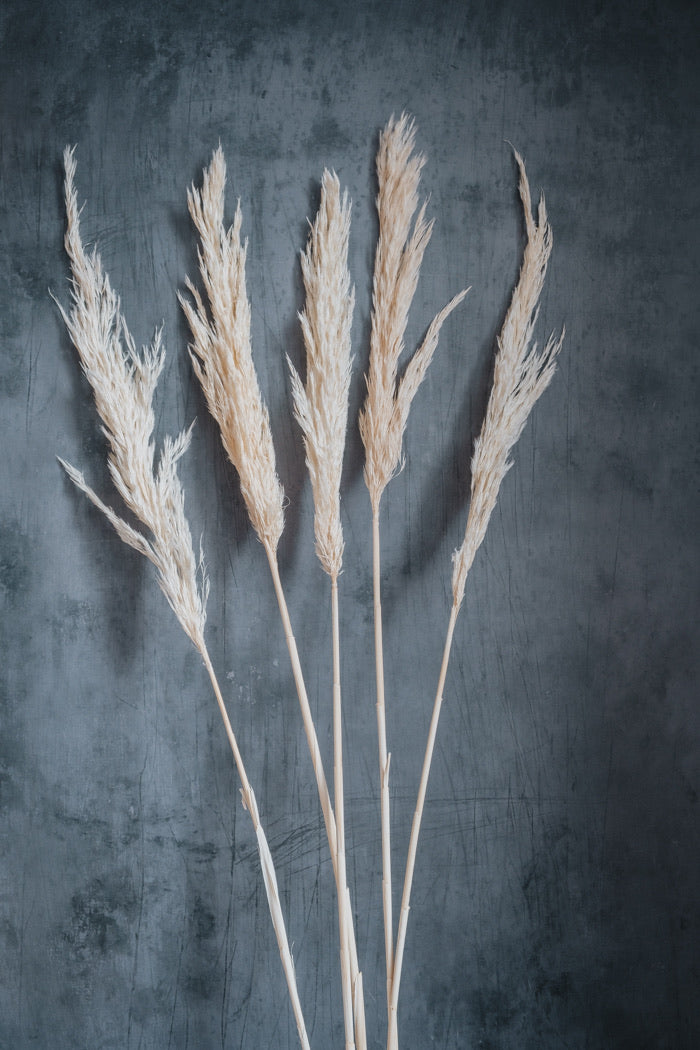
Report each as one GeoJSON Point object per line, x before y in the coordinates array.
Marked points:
{"type": "Point", "coordinates": [222, 356]}
{"type": "Point", "coordinates": [397, 265]}
{"type": "Point", "coordinates": [124, 382]}
{"type": "Point", "coordinates": [521, 375]}
{"type": "Point", "coordinates": [321, 408]}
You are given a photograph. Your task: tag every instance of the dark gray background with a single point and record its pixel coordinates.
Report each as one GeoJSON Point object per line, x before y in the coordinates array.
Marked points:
{"type": "Point", "coordinates": [556, 893]}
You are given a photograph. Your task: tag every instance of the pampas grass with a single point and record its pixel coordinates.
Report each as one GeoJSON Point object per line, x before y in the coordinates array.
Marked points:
{"type": "Point", "coordinates": [384, 415]}
{"type": "Point", "coordinates": [521, 375]}
{"type": "Point", "coordinates": [222, 357]}
{"type": "Point", "coordinates": [397, 266]}
{"type": "Point", "coordinates": [321, 409]}
{"type": "Point", "coordinates": [124, 383]}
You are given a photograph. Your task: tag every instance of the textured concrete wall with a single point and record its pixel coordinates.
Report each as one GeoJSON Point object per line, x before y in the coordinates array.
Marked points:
{"type": "Point", "coordinates": [555, 901]}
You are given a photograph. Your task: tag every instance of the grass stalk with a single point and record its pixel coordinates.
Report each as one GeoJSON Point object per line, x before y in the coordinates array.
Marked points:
{"type": "Point", "coordinates": [266, 862]}
{"type": "Point", "coordinates": [321, 409]}
{"type": "Point", "coordinates": [393, 1042]}
{"type": "Point", "coordinates": [222, 359]}
{"type": "Point", "coordinates": [400, 250]}
{"type": "Point", "coordinates": [339, 794]}
{"type": "Point", "coordinates": [384, 758]}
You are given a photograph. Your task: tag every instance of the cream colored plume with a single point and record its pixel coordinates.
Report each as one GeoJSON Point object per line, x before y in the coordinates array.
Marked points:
{"type": "Point", "coordinates": [222, 357]}
{"type": "Point", "coordinates": [124, 383]}
{"type": "Point", "coordinates": [396, 270]}
{"type": "Point", "coordinates": [521, 374]}
{"type": "Point", "coordinates": [321, 408]}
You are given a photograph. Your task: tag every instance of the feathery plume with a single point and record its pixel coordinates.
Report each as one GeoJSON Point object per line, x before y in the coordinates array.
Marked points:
{"type": "Point", "coordinates": [397, 265]}
{"type": "Point", "coordinates": [222, 356]}
{"type": "Point", "coordinates": [521, 375]}
{"type": "Point", "coordinates": [321, 408]}
{"type": "Point", "coordinates": [384, 415]}
{"type": "Point", "coordinates": [124, 383]}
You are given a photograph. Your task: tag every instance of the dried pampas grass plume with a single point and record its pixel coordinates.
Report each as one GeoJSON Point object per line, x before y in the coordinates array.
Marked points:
{"type": "Point", "coordinates": [397, 265]}
{"type": "Point", "coordinates": [222, 356]}
{"type": "Point", "coordinates": [521, 375]}
{"type": "Point", "coordinates": [124, 383]}
{"type": "Point", "coordinates": [321, 407]}
{"type": "Point", "coordinates": [384, 415]}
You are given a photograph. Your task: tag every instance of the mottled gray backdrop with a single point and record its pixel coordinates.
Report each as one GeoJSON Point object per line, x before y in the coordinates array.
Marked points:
{"type": "Point", "coordinates": [556, 892]}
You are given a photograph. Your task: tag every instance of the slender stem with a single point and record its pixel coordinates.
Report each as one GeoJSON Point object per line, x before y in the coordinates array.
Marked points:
{"type": "Point", "coordinates": [384, 758]}
{"type": "Point", "coordinates": [324, 795]}
{"type": "Point", "coordinates": [393, 1041]}
{"type": "Point", "coordinates": [307, 717]}
{"type": "Point", "coordinates": [339, 795]}
{"type": "Point", "coordinates": [266, 863]}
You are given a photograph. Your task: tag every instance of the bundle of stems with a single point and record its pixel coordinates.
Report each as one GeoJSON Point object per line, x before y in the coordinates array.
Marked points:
{"type": "Point", "coordinates": [124, 382]}
{"type": "Point", "coordinates": [521, 375]}
{"type": "Point", "coordinates": [384, 415]}
{"type": "Point", "coordinates": [221, 355]}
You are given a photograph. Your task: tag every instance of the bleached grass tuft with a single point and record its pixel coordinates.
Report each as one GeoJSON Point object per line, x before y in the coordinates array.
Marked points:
{"type": "Point", "coordinates": [321, 406]}
{"type": "Point", "coordinates": [521, 375]}
{"type": "Point", "coordinates": [222, 355]}
{"type": "Point", "coordinates": [124, 384]}
{"type": "Point", "coordinates": [384, 414]}
{"type": "Point", "coordinates": [321, 409]}
{"type": "Point", "coordinates": [397, 265]}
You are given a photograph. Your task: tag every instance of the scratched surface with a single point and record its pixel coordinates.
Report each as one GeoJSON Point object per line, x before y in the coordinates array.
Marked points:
{"type": "Point", "coordinates": [555, 901]}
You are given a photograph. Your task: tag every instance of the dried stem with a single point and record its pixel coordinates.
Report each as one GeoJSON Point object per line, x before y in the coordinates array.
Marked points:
{"type": "Point", "coordinates": [266, 862]}
{"type": "Point", "coordinates": [321, 409]}
{"type": "Point", "coordinates": [393, 1041]}
{"type": "Point", "coordinates": [339, 792]}
{"type": "Point", "coordinates": [384, 758]}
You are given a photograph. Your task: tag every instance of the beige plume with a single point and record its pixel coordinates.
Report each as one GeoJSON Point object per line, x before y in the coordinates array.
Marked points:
{"type": "Point", "coordinates": [396, 270]}
{"type": "Point", "coordinates": [321, 407]}
{"type": "Point", "coordinates": [222, 356]}
{"type": "Point", "coordinates": [521, 374]}
{"type": "Point", "coordinates": [124, 382]}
